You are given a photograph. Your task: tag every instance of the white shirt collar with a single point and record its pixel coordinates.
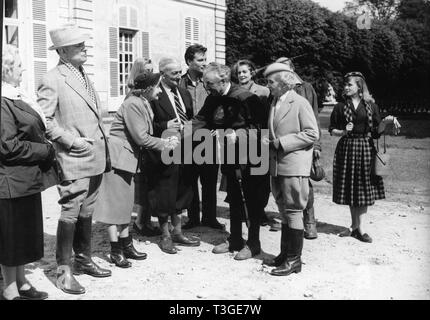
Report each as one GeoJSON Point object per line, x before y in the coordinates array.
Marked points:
{"type": "Point", "coordinates": [285, 95]}
{"type": "Point", "coordinates": [227, 89]}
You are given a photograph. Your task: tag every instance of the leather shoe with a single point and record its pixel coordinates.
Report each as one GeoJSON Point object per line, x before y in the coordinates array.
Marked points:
{"type": "Point", "coordinates": [32, 294]}
{"type": "Point", "coordinates": [67, 282]}
{"type": "Point", "coordinates": [362, 237]}
{"type": "Point", "coordinates": [166, 245]}
{"type": "Point", "coordinates": [290, 265]}
{"type": "Point", "coordinates": [221, 248]}
{"type": "Point", "coordinates": [184, 241]}
{"type": "Point", "coordinates": [147, 230]}
{"type": "Point", "coordinates": [129, 250]}
{"type": "Point", "coordinates": [246, 253]}
{"type": "Point", "coordinates": [84, 264]}
{"type": "Point", "coordinates": [190, 224]}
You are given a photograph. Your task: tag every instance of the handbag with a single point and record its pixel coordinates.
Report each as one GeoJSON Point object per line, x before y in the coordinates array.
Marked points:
{"type": "Point", "coordinates": [380, 161]}
{"type": "Point", "coordinates": [317, 171]}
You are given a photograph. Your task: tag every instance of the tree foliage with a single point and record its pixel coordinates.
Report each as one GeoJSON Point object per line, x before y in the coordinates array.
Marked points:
{"type": "Point", "coordinates": [394, 55]}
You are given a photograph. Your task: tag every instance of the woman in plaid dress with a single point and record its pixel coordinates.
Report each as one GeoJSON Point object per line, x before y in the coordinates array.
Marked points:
{"type": "Point", "coordinates": [356, 121]}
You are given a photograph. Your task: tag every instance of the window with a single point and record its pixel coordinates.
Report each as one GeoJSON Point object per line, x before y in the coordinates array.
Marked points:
{"type": "Point", "coordinates": [192, 31]}
{"type": "Point", "coordinates": [10, 18]}
{"type": "Point", "coordinates": [126, 58]}
{"type": "Point", "coordinates": [11, 9]}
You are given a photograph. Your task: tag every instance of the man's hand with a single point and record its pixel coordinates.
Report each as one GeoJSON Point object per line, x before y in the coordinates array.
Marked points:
{"type": "Point", "coordinates": [82, 143]}
{"type": "Point", "coordinates": [317, 153]}
{"type": "Point", "coordinates": [174, 124]}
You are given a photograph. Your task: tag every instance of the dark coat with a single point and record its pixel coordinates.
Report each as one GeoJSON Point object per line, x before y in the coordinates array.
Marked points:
{"type": "Point", "coordinates": [169, 186]}
{"type": "Point", "coordinates": [25, 154]}
{"type": "Point", "coordinates": [239, 109]}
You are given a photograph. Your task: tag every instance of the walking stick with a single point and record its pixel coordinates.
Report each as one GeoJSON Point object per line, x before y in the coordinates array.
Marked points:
{"type": "Point", "coordinates": [238, 174]}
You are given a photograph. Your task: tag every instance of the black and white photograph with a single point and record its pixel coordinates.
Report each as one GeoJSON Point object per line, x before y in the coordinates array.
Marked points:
{"type": "Point", "coordinates": [215, 154]}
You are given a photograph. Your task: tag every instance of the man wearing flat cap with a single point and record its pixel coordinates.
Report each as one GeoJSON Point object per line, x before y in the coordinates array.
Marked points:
{"type": "Point", "coordinates": [293, 131]}
{"type": "Point", "coordinates": [75, 126]}
{"type": "Point", "coordinates": [306, 90]}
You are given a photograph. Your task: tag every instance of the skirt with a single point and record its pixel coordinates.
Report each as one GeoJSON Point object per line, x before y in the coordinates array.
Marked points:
{"type": "Point", "coordinates": [21, 230]}
{"type": "Point", "coordinates": [353, 183]}
{"type": "Point", "coordinates": [116, 198]}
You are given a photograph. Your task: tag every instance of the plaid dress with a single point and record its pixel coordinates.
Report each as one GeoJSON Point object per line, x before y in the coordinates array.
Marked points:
{"type": "Point", "coordinates": [353, 183]}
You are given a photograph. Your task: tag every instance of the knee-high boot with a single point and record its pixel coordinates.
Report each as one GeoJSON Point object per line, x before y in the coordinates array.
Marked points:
{"type": "Point", "coordinates": [280, 258]}
{"type": "Point", "coordinates": [65, 279]}
{"type": "Point", "coordinates": [82, 247]}
{"type": "Point", "coordinates": [293, 262]}
{"type": "Point", "coordinates": [310, 224]}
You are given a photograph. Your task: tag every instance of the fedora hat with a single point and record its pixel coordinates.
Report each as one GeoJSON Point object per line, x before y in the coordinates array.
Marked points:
{"type": "Point", "coordinates": [67, 35]}
{"type": "Point", "coordinates": [280, 67]}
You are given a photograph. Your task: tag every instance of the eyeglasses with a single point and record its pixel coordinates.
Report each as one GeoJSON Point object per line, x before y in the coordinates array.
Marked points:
{"type": "Point", "coordinates": [354, 74]}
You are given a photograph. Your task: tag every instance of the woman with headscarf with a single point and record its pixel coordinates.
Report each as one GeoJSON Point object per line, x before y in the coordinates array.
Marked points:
{"type": "Point", "coordinates": [130, 136]}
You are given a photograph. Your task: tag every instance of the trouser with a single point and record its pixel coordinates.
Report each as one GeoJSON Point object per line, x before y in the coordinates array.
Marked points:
{"type": "Point", "coordinates": [208, 174]}
{"type": "Point", "coordinates": [291, 195]}
{"type": "Point", "coordinates": [254, 200]}
{"type": "Point", "coordinates": [78, 197]}
{"type": "Point", "coordinates": [77, 200]}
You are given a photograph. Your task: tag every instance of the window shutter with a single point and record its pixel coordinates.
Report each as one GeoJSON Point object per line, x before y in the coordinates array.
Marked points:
{"type": "Point", "coordinates": [40, 43]}
{"type": "Point", "coordinates": [192, 31]}
{"type": "Point", "coordinates": [133, 18]}
{"type": "Point", "coordinates": [196, 30]}
{"type": "Point", "coordinates": [123, 16]}
{"type": "Point", "coordinates": [113, 62]}
{"type": "Point", "coordinates": [145, 44]}
{"type": "Point", "coordinates": [188, 38]}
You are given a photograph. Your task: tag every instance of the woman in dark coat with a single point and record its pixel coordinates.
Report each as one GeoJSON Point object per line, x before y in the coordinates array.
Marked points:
{"type": "Point", "coordinates": [25, 156]}
{"type": "Point", "coordinates": [356, 121]}
{"type": "Point", "coordinates": [131, 130]}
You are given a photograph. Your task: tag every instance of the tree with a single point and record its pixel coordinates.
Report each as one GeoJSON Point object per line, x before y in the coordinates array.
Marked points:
{"type": "Point", "coordinates": [379, 9]}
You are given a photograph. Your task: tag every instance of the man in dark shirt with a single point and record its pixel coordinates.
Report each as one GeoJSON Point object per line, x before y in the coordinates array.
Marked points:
{"type": "Point", "coordinates": [195, 57]}
{"type": "Point", "coordinates": [231, 108]}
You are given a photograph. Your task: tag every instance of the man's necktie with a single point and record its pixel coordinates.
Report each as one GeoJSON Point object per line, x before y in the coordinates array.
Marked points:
{"type": "Point", "coordinates": [182, 115]}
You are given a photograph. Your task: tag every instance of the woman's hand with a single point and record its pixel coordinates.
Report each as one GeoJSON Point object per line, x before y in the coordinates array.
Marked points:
{"type": "Point", "coordinates": [171, 143]}
{"type": "Point", "coordinates": [390, 120]}
{"type": "Point", "coordinates": [349, 127]}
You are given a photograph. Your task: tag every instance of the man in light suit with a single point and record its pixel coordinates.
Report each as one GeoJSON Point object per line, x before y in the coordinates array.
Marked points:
{"type": "Point", "coordinates": [75, 126]}
{"type": "Point", "coordinates": [293, 130]}
{"type": "Point", "coordinates": [170, 189]}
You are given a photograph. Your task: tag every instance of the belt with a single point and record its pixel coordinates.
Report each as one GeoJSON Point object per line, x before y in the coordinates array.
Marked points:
{"type": "Point", "coordinates": [358, 135]}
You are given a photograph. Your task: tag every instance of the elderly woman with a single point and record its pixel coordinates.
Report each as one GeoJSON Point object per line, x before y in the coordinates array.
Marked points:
{"type": "Point", "coordinates": [356, 121]}
{"type": "Point", "coordinates": [25, 155]}
{"type": "Point", "coordinates": [142, 224]}
{"type": "Point", "coordinates": [130, 136]}
{"type": "Point", "coordinates": [293, 131]}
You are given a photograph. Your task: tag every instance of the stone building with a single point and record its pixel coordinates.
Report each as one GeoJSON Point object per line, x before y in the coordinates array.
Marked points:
{"type": "Point", "coordinates": [121, 31]}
